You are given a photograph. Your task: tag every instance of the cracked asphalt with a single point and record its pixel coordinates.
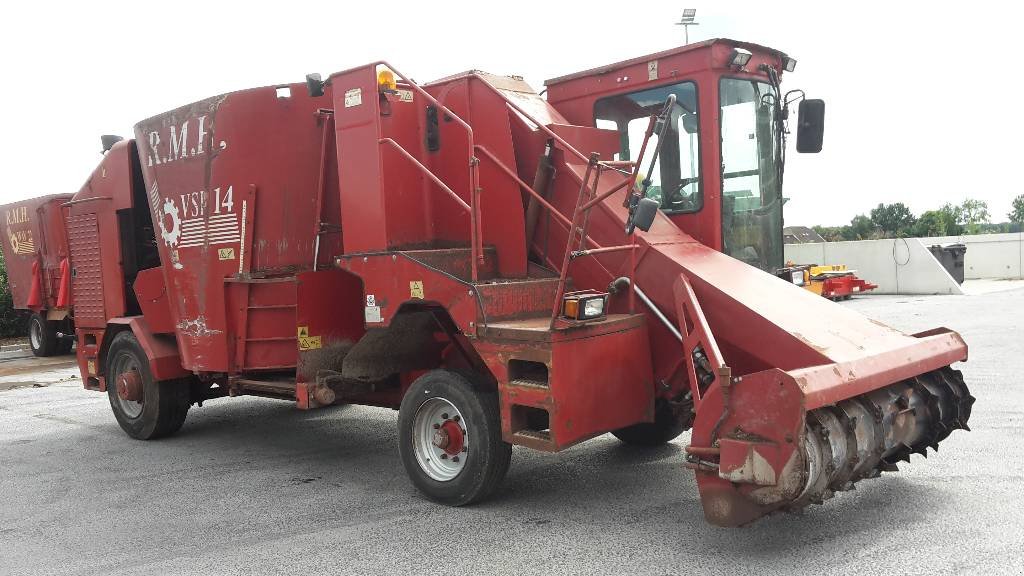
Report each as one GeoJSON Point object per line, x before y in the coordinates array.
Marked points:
{"type": "Point", "coordinates": [254, 486]}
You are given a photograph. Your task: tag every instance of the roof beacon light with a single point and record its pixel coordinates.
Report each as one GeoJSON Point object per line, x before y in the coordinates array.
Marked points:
{"type": "Point", "coordinates": [386, 82]}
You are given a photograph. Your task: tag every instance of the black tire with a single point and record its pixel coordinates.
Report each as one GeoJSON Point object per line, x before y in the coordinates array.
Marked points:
{"type": "Point", "coordinates": [668, 424]}
{"type": "Point", "coordinates": [64, 346]}
{"type": "Point", "coordinates": [42, 336]}
{"type": "Point", "coordinates": [487, 458]}
{"type": "Point", "coordinates": [164, 403]}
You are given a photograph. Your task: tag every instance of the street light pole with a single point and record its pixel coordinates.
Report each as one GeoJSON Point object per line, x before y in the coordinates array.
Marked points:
{"type": "Point", "coordinates": [686, 21]}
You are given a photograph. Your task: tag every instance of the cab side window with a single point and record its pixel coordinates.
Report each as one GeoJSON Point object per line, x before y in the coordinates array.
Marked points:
{"type": "Point", "coordinates": [675, 181]}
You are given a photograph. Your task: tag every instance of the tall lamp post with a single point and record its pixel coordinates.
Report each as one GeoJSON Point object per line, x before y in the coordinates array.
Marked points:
{"type": "Point", "coordinates": [686, 21]}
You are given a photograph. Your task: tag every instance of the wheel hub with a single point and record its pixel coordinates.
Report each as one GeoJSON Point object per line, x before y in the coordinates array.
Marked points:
{"type": "Point", "coordinates": [129, 386]}
{"type": "Point", "coordinates": [449, 437]}
{"type": "Point", "coordinates": [440, 439]}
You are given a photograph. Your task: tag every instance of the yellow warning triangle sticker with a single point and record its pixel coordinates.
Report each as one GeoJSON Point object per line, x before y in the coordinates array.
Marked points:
{"type": "Point", "coordinates": [303, 331]}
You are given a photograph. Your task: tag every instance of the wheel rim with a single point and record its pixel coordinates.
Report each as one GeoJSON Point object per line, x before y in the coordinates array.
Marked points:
{"type": "Point", "coordinates": [440, 440]}
{"type": "Point", "coordinates": [121, 363]}
{"type": "Point", "coordinates": [35, 334]}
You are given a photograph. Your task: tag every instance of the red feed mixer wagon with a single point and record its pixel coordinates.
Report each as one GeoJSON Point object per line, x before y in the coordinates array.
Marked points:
{"type": "Point", "coordinates": [502, 269]}
{"type": "Point", "coordinates": [35, 249]}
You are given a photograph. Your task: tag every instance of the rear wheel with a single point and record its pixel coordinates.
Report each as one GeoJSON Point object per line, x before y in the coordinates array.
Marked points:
{"type": "Point", "coordinates": [450, 438]}
{"type": "Point", "coordinates": [145, 408]}
{"type": "Point", "coordinates": [670, 420]}
{"type": "Point", "coordinates": [64, 345]}
{"type": "Point", "coordinates": [42, 337]}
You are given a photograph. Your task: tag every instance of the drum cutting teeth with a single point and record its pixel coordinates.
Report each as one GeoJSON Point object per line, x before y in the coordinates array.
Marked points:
{"type": "Point", "coordinates": [864, 436]}
{"type": "Point", "coordinates": [964, 401]}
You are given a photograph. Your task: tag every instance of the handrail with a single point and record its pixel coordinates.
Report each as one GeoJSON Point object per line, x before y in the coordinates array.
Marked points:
{"type": "Point", "coordinates": [529, 189]}
{"type": "Point", "coordinates": [474, 233]}
{"type": "Point", "coordinates": [613, 164]}
{"type": "Point", "coordinates": [593, 251]}
{"type": "Point", "coordinates": [426, 171]}
{"type": "Point", "coordinates": [321, 186]}
{"type": "Point", "coordinates": [594, 166]}
{"type": "Point", "coordinates": [83, 200]}
{"type": "Point", "coordinates": [431, 99]}
{"type": "Point", "coordinates": [568, 147]}
{"type": "Point", "coordinates": [582, 208]}
{"type": "Point", "coordinates": [476, 240]}
{"type": "Point", "coordinates": [564, 270]}
{"type": "Point", "coordinates": [597, 199]}
{"type": "Point", "coordinates": [570, 226]}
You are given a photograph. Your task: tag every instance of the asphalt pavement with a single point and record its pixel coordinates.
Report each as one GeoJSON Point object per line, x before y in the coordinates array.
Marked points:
{"type": "Point", "coordinates": [254, 486]}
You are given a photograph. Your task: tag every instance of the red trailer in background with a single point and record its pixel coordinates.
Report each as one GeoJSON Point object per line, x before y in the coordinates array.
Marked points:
{"type": "Point", "coordinates": [35, 249]}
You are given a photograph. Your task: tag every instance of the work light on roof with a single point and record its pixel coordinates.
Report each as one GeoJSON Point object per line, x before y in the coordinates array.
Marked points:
{"type": "Point", "coordinates": [739, 57]}
{"type": "Point", "coordinates": [789, 64]}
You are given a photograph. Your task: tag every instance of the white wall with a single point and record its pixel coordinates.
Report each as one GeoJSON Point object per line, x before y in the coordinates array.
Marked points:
{"type": "Point", "coordinates": [897, 266]}
{"type": "Point", "coordinates": [989, 255]}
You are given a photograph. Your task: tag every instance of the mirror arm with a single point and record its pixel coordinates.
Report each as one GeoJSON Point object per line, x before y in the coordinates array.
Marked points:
{"type": "Point", "coordinates": [661, 126]}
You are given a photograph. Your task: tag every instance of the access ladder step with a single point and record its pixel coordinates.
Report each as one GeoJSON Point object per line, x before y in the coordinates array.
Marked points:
{"type": "Point", "coordinates": [536, 439]}
{"type": "Point", "coordinates": [508, 299]}
{"type": "Point", "coordinates": [529, 383]}
{"type": "Point", "coordinates": [457, 262]}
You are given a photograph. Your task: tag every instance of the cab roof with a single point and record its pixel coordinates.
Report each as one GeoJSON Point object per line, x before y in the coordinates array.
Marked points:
{"type": "Point", "coordinates": [665, 53]}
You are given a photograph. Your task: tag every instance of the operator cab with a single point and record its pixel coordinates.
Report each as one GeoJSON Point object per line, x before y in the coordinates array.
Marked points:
{"type": "Point", "coordinates": [718, 167]}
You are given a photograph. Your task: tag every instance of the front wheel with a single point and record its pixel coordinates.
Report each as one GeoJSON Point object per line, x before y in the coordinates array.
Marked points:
{"type": "Point", "coordinates": [450, 442]}
{"type": "Point", "coordinates": [145, 408]}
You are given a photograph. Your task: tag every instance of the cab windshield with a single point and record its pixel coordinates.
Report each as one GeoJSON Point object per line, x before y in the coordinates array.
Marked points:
{"type": "Point", "coordinates": [751, 187]}
{"type": "Point", "coordinates": [675, 182]}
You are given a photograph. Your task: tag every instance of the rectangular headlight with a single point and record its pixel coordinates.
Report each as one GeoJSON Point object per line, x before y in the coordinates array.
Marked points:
{"type": "Point", "coordinates": [584, 305]}
{"type": "Point", "coordinates": [593, 307]}
{"type": "Point", "coordinates": [798, 277]}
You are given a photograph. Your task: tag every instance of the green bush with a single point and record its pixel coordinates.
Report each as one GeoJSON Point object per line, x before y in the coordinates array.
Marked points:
{"type": "Point", "coordinates": [12, 322]}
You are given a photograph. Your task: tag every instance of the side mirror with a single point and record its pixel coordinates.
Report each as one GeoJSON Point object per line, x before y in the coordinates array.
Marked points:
{"type": "Point", "coordinates": [810, 126]}
{"type": "Point", "coordinates": [645, 212]}
{"type": "Point", "coordinates": [108, 141]}
{"type": "Point", "coordinates": [314, 85]}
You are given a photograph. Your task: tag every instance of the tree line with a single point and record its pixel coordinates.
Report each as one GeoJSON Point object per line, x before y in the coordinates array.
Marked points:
{"type": "Point", "coordinates": [896, 220]}
{"type": "Point", "coordinates": [12, 322]}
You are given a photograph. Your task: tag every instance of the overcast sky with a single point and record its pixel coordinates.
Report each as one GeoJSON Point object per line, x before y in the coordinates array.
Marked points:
{"type": "Point", "coordinates": [910, 87]}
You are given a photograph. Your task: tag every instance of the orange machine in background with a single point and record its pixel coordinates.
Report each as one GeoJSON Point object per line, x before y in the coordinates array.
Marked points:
{"type": "Point", "coordinates": [834, 282]}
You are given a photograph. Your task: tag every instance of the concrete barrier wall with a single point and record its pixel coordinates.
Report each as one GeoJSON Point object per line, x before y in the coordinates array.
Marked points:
{"type": "Point", "coordinates": [989, 255]}
{"type": "Point", "coordinates": [897, 266]}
